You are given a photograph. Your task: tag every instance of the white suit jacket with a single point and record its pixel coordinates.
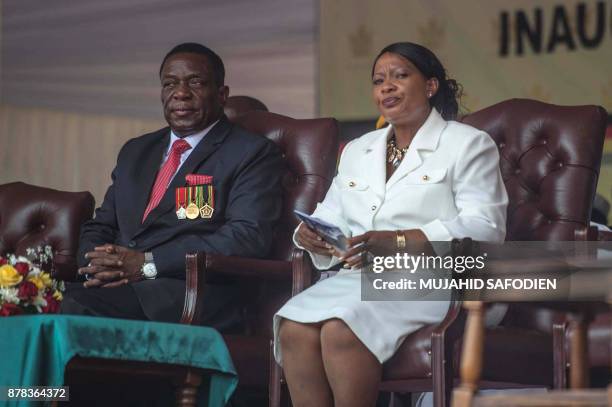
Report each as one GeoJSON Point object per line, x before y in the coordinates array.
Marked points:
{"type": "Point", "coordinates": [448, 185]}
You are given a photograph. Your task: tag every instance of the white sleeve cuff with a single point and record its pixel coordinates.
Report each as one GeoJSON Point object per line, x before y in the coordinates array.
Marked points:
{"type": "Point", "coordinates": [435, 231]}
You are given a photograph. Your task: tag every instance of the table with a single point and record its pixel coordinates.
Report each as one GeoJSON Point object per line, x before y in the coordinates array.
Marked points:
{"type": "Point", "coordinates": [35, 349]}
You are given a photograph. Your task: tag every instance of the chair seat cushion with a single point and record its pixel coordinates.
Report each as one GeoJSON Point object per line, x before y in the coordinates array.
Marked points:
{"type": "Point", "coordinates": [506, 353]}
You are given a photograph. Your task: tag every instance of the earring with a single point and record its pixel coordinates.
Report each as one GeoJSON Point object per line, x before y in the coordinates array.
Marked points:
{"type": "Point", "coordinates": [428, 94]}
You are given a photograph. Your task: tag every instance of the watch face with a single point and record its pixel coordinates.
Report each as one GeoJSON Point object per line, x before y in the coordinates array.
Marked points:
{"type": "Point", "coordinates": [149, 270]}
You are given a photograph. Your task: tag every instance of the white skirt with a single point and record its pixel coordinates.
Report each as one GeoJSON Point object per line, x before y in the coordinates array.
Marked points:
{"type": "Point", "coordinates": [380, 325]}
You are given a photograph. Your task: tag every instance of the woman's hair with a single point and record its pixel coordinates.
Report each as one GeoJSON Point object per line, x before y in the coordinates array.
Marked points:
{"type": "Point", "coordinates": [445, 99]}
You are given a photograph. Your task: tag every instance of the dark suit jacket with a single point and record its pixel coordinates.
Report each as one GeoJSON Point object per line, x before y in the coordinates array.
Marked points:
{"type": "Point", "coordinates": [246, 170]}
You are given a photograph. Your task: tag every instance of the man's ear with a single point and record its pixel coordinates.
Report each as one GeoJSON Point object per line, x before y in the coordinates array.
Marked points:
{"type": "Point", "coordinates": [432, 86]}
{"type": "Point", "coordinates": [223, 94]}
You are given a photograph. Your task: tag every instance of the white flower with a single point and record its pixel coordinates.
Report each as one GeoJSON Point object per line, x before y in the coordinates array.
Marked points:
{"type": "Point", "coordinates": [39, 302]}
{"type": "Point", "coordinates": [34, 271]}
{"type": "Point", "coordinates": [9, 295]}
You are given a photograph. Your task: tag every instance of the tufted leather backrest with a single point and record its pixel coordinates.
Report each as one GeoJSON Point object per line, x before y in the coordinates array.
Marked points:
{"type": "Point", "coordinates": [239, 105]}
{"type": "Point", "coordinates": [32, 216]}
{"type": "Point", "coordinates": [550, 160]}
{"type": "Point", "coordinates": [309, 147]}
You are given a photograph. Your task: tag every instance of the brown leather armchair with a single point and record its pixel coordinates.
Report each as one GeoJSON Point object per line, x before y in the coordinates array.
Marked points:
{"type": "Point", "coordinates": [310, 148]}
{"type": "Point", "coordinates": [550, 160]}
{"type": "Point", "coordinates": [32, 216]}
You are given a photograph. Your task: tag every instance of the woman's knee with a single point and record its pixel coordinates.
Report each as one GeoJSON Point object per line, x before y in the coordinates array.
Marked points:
{"type": "Point", "coordinates": [295, 335]}
{"type": "Point", "coordinates": [337, 336]}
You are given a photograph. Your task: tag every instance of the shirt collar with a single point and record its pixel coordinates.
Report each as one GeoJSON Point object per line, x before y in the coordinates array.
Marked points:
{"type": "Point", "coordinates": [193, 140]}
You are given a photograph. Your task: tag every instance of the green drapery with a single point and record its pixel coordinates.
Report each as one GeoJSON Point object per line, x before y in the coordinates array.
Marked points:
{"type": "Point", "coordinates": [34, 350]}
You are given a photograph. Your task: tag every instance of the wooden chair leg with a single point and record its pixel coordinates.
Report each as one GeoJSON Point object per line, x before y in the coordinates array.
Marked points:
{"type": "Point", "coordinates": [471, 355]}
{"type": "Point", "coordinates": [579, 354]}
{"type": "Point", "coordinates": [275, 385]}
{"type": "Point", "coordinates": [187, 389]}
{"type": "Point", "coordinates": [442, 372]}
{"type": "Point", "coordinates": [559, 356]}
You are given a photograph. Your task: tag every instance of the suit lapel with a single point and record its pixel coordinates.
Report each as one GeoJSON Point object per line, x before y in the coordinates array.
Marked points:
{"type": "Point", "coordinates": [376, 170]}
{"type": "Point", "coordinates": [202, 151]}
{"type": "Point", "coordinates": [426, 139]}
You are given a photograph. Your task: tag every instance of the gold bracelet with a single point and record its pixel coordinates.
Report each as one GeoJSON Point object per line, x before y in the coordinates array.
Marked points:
{"type": "Point", "coordinates": [400, 239]}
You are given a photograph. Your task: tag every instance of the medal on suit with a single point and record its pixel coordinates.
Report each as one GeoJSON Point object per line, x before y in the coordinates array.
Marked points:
{"type": "Point", "coordinates": [192, 211]}
{"type": "Point", "coordinates": [181, 202]}
{"type": "Point", "coordinates": [207, 210]}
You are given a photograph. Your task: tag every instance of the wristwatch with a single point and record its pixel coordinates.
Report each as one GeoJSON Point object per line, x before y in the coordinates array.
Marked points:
{"type": "Point", "coordinates": [148, 269]}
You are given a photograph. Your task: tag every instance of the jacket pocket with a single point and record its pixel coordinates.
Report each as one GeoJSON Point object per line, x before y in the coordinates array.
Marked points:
{"type": "Point", "coordinates": [346, 183]}
{"type": "Point", "coordinates": [426, 177]}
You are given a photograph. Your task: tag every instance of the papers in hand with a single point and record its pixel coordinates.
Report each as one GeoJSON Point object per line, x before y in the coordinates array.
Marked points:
{"type": "Point", "coordinates": [330, 233]}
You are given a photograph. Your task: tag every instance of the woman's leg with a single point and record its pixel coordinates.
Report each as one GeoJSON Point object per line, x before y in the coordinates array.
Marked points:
{"type": "Point", "coordinates": [303, 364]}
{"type": "Point", "coordinates": [352, 370]}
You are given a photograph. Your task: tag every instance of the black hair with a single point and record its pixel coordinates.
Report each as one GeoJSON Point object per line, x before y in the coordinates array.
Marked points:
{"type": "Point", "coordinates": [445, 99]}
{"type": "Point", "coordinates": [194, 48]}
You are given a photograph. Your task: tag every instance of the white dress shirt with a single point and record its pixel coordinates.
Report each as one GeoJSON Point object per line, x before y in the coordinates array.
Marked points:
{"type": "Point", "coordinates": [193, 141]}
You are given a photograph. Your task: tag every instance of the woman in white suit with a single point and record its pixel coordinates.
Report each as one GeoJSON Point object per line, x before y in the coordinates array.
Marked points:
{"type": "Point", "coordinates": [423, 178]}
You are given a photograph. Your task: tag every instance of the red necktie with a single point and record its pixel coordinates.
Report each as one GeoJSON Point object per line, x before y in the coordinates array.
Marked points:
{"type": "Point", "coordinates": [165, 174]}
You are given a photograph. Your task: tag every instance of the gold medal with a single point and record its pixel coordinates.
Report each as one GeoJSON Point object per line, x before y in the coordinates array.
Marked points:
{"type": "Point", "coordinates": [206, 211]}
{"type": "Point", "coordinates": [192, 211]}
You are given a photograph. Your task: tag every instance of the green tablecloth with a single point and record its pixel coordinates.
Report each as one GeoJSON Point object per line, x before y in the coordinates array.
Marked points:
{"type": "Point", "coordinates": [34, 350]}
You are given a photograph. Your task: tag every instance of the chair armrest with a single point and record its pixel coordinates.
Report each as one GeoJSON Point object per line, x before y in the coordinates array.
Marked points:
{"type": "Point", "coordinates": [592, 233]}
{"type": "Point", "coordinates": [217, 265]}
{"type": "Point", "coordinates": [302, 271]}
{"type": "Point", "coordinates": [586, 234]}
{"type": "Point", "coordinates": [448, 332]}
{"type": "Point", "coordinates": [604, 236]}
{"type": "Point", "coordinates": [202, 267]}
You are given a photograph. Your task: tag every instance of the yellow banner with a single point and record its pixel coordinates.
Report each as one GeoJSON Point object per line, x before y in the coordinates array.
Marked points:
{"type": "Point", "coordinates": [554, 51]}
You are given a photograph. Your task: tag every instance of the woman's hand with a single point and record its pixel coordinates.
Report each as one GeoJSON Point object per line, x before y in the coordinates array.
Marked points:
{"type": "Point", "coordinates": [359, 246]}
{"type": "Point", "coordinates": [378, 243]}
{"type": "Point", "coordinates": [311, 241]}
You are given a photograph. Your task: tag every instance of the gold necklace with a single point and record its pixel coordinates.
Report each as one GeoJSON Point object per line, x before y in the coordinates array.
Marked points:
{"type": "Point", "coordinates": [394, 154]}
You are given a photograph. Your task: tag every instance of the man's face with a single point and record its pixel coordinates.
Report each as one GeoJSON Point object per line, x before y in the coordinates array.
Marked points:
{"type": "Point", "coordinates": [192, 100]}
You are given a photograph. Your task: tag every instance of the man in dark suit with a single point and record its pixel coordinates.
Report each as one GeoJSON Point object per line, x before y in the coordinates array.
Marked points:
{"type": "Point", "coordinates": [201, 184]}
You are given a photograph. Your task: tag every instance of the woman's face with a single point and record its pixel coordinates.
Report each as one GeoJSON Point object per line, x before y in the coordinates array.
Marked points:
{"type": "Point", "coordinates": [400, 90]}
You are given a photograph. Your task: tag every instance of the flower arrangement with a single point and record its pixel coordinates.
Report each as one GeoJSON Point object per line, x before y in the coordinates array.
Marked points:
{"type": "Point", "coordinates": [26, 286]}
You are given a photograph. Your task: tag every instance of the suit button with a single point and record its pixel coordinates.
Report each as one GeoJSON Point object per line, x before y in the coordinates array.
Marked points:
{"type": "Point", "coordinates": [373, 207]}
{"type": "Point", "coordinates": [351, 184]}
{"type": "Point", "coordinates": [425, 178]}
{"type": "Point", "coordinates": [131, 244]}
